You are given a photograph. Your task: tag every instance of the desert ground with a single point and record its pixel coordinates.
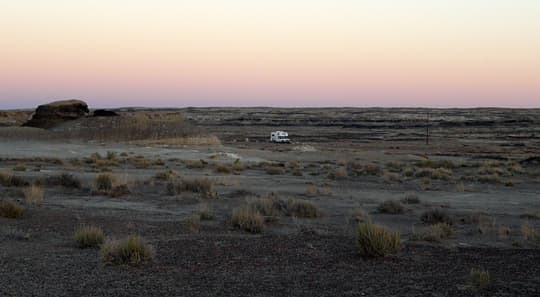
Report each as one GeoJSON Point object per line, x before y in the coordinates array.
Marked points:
{"type": "Point", "coordinates": [221, 211]}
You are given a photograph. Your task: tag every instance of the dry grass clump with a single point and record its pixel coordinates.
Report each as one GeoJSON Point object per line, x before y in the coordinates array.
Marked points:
{"type": "Point", "coordinates": [338, 174]}
{"type": "Point", "coordinates": [196, 164]}
{"type": "Point", "coordinates": [434, 173]}
{"type": "Point", "coordinates": [530, 233]}
{"type": "Point", "coordinates": [391, 177]}
{"type": "Point", "coordinates": [65, 180]}
{"type": "Point", "coordinates": [369, 169]}
{"type": "Point", "coordinates": [206, 213]}
{"type": "Point", "coordinates": [411, 198]}
{"type": "Point", "coordinates": [9, 232]}
{"type": "Point", "coordinates": [435, 216]}
{"type": "Point", "coordinates": [203, 186]}
{"type": "Point", "coordinates": [119, 191]}
{"type": "Point", "coordinates": [193, 223]}
{"type": "Point", "coordinates": [377, 241]}
{"type": "Point", "coordinates": [104, 182]}
{"type": "Point", "coordinates": [359, 215]}
{"type": "Point", "coordinates": [269, 206]}
{"type": "Point", "coordinates": [490, 179]}
{"type": "Point", "coordinates": [223, 168]}
{"type": "Point", "coordinates": [479, 279]}
{"type": "Point", "coordinates": [8, 180]}
{"type": "Point", "coordinates": [140, 162]}
{"type": "Point", "coordinates": [10, 210]}
{"type": "Point", "coordinates": [248, 219]}
{"type": "Point", "coordinates": [89, 237]}
{"type": "Point", "coordinates": [274, 170]}
{"type": "Point", "coordinates": [533, 215]}
{"type": "Point", "coordinates": [272, 206]}
{"type": "Point", "coordinates": [395, 166]}
{"type": "Point", "coordinates": [98, 161]}
{"type": "Point", "coordinates": [132, 250]}
{"type": "Point", "coordinates": [437, 232]}
{"type": "Point", "coordinates": [19, 167]}
{"type": "Point", "coordinates": [294, 164]}
{"type": "Point", "coordinates": [165, 175]}
{"type": "Point", "coordinates": [391, 207]}
{"type": "Point", "coordinates": [302, 209]}
{"type": "Point", "coordinates": [434, 164]}
{"type": "Point", "coordinates": [33, 195]}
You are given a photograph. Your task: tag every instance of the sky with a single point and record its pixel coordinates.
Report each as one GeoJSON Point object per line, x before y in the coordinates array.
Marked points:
{"type": "Point", "coordinates": [176, 53]}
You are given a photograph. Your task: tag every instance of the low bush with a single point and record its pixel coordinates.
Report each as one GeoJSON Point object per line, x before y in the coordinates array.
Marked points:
{"type": "Point", "coordinates": [377, 241]}
{"type": "Point", "coordinates": [132, 250]}
{"type": "Point", "coordinates": [248, 219]}
{"type": "Point", "coordinates": [435, 216]}
{"type": "Point", "coordinates": [10, 210]}
{"type": "Point", "coordinates": [391, 207]}
{"type": "Point", "coordinates": [89, 237]}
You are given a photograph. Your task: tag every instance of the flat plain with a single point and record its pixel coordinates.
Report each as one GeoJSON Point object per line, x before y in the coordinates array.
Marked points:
{"type": "Point", "coordinates": [224, 212]}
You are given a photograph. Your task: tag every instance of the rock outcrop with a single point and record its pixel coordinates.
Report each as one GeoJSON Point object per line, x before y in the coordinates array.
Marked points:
{"type": "Point", "coordinates": [104, 113]}
{"type": "Point", "coordinates": [49, 115]}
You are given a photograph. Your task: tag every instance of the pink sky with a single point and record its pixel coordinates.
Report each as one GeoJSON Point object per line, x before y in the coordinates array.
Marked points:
{"type": "Point", "coordinates": [271, 53]}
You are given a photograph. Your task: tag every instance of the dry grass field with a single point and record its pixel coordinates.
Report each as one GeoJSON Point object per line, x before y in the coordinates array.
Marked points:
{"type": "Point", "coordinates": [197, 202]}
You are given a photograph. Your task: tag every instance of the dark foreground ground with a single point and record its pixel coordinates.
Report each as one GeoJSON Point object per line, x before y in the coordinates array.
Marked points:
{"type": "Point", "coordinates": [222, 263]}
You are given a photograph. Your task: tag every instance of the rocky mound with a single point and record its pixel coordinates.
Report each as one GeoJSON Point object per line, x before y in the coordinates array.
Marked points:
{"type": "Point", "coordinates": [54, 113]}
{"type": "Point", "coordinates": [104, 113]}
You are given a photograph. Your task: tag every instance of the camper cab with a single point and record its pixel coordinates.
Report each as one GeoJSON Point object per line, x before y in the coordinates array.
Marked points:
{"type": "Point", "coordinates": [279, 137]}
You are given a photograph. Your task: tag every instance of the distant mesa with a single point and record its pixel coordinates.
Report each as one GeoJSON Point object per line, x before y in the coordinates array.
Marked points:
{"type": "Point", "coordinates": [49, 115]}
{"type": "Point", "coordinates": [104, 113]}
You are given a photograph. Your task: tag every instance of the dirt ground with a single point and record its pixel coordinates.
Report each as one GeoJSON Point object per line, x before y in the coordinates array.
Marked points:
{"type": "Point", "coordinates": [479, 169]}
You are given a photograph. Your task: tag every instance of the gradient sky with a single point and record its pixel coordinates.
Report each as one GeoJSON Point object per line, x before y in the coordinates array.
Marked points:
{"type": "Point", "coordinates": [454, 53]}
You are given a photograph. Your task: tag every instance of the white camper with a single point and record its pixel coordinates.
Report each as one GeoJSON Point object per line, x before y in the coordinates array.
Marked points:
{"type": "Point", "coordinates": [279, 137]}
